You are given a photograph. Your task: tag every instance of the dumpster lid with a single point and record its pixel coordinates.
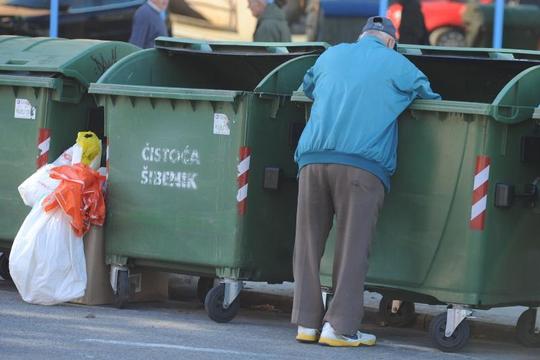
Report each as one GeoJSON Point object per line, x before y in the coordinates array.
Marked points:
{"type": "Point", "coordinates": [240, 48]}
{"type": "Point", "coordinates": [480, 53]}
{"type": "Point", "coordinates": [83, 60]}
{"type": "Point", "coordinates": [224, 66]}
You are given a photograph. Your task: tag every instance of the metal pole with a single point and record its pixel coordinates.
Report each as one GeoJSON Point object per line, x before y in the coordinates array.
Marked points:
{"type": "Point", "coordinates": [53, 19]}
{"type": "Point", "coordinates": [498, 24]}
{"type": "Point", "coordinates": [383, 6]}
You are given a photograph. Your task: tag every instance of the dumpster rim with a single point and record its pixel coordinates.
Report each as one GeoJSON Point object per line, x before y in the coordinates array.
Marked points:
{"type": "Point", "coordinates": [410, 49]}
{"type": "Point", "coordinates": [447, 106]}
{"type": "Point", "coordinates": [29, 81]}
{"type": "Point", "coordinates": [161, 92]}
{"type": "Point", "coordinates": [161, 42]}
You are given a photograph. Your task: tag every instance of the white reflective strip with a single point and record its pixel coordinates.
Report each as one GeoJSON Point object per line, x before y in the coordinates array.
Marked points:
{"type": "Point", "coordinates": [481, 178]}
{"type": "Point", "coordinates": [107, 153]}
{"type": "Point", "coordinates": [243, 167]}
{"type": "Point", "coordinates": [242, 193]}
{"type": "Point", "coordinates": [44, 146]}
{"type": "Point", "coordinates": [479, 207]}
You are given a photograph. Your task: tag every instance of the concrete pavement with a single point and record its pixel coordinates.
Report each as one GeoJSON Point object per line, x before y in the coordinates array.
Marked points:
{"type": "Point", "coordinates": [181, 330]}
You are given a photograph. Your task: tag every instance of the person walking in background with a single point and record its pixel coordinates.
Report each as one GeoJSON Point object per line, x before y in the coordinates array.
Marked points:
{"type": "Point", "coordinates": [346, 156]}
{"type": "Point", "coordinates": [312, 19]}
{"type": "Point", "coordinates": [272, 25]}
{"type": "Point", "coordinates": [149, 23]}
{"type": "Point", "coordinates": [412, 28]}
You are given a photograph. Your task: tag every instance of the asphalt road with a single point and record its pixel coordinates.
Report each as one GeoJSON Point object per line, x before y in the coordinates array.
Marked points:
{"type": "Point", "coordinates": [181, 330]}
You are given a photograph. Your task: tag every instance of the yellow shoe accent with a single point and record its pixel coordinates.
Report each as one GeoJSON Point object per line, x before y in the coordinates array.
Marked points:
{"type": "Point", "coordinates": [338, 343]}
{"type": "Point", "coordinates": [345, 343]}
{"type": "Point", "coordinates": [305, 338]}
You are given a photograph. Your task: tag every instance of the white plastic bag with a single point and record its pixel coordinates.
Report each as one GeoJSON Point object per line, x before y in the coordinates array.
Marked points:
{"type": "Point", "coordinates": [37, 186]}
{"type": "Point", "coordinates": [47, 261]}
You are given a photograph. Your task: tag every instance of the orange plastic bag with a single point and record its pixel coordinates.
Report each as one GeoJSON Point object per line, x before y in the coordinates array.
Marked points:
{"type": "Point", "coordinates": [79, 195]}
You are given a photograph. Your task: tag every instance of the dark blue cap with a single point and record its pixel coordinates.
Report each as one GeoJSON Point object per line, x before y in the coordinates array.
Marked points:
{"type": "Point", "coordinates": [380, 23]}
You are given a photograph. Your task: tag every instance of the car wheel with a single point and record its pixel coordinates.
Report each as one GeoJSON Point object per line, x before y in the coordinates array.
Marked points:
{"type": "Point", "coordinates": [447, 36]}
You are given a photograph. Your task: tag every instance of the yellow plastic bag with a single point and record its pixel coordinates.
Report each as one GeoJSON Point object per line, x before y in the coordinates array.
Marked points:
{"type": "Point", "coordinates": [90, 145]}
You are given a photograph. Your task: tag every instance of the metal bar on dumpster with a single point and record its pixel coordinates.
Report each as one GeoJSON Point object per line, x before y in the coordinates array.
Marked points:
{"type": "Point", "coordinates": [53, 19]}
{"type": "Point", "coordinates": [480, 192]}
{"type": "Point", "coordinates": [498, 24]}
{"type": "Point", "coordinates": [383, 6]}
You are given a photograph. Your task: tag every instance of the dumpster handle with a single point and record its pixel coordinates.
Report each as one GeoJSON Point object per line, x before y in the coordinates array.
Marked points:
{"type": "Point", "coordinates": [508, 114]}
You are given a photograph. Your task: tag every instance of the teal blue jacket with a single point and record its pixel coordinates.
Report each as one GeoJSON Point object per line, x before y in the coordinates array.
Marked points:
{"type": "Point", "coordinates": [358, 91]}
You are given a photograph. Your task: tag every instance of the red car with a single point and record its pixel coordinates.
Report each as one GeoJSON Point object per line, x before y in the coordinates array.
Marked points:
{"type": "Point", "coordinates": [443, 20]}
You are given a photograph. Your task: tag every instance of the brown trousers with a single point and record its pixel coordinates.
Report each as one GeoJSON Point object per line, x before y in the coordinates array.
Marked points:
{"type": "Point", "coordinates": [355, 197]}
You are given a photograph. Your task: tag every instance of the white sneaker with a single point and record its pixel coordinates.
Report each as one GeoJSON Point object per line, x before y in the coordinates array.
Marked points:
{"type": "Point", "coordinates": [330, 338]}
{"type": "Point", "coordinates": [307, 335]}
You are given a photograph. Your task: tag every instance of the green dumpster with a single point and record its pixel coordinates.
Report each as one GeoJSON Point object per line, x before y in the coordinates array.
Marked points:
{"type": "Point", "coordinates": [521, 26]}
{"type": "Point", "coordinates": [460, 224]}
{"type": "Point", "coordinates": [43, 104]}
{"type": "Point", "coordinates": [190, 125]}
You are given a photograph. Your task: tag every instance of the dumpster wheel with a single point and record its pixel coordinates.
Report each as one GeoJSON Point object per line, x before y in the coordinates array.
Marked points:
{"type": "Point", "coordinates": [214, 305]}
{"type": "Point", "coordinates": [525, 329]}
{"type": "Point", "coordinates": [456, 341]}
{"type": "Point", "coordinates": [204, 285]}
{"type": "Point", "coordinates": [403, 317]}
{"type": "Point", "coordinates": [4, 266]}
{"type": "Point", "coordinates": [121, 296]}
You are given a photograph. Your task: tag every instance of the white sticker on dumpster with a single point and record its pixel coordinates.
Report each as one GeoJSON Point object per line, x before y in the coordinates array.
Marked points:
{"type": "Point", "coordinates": [221, 124]}
{"type": "Point", "coordinates": [24, 110]}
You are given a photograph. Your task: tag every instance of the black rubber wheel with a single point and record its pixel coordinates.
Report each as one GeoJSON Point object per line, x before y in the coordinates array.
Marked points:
{"type": "Point", "coordinates": [204, 284]}
{"type": "Point", "coordinates": [447, 36]}
{"type": "Point", "coordinates": [454, 343]}
{"type": "Point", "coordinates": [214, 305]}
{"type": "Point", "coordinates": [4, 266]}
{"type": "Point", "coordinates": [406, 315]}
{"type": "Point", "coordinates": [122, 289]}
{"type": "Point", "coordinates": [525, 329]}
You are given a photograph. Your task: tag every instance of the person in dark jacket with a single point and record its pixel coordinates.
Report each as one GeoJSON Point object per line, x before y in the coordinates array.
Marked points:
{"type": "Point", "coordinates": [149, 23]}
{"type": "Point", "coordinates": [412, 28]}
{"type": "Point", "coordinates": [272, 25]}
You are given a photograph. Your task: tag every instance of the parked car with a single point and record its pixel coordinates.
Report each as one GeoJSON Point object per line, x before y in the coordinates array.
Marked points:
{"type": "Point", "coordinates": [82, 19]}
{"type": "Point", "coordinates": [443, 19]}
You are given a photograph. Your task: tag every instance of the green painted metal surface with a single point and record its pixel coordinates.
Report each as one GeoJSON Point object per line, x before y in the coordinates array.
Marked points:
{"type": "Point", "coordinates": [424, 249]}
{"type": "Point", "coordinates": [51, 76]}
{"type": "Point", "coordinates": [175, 133]}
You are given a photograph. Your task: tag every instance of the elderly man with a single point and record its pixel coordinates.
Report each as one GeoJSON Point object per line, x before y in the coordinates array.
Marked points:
{"type": "Point", "coordinates": [272, 25]}
{"type": "Point", "coordinates": [149, 23]}
{"type": "Point", "coordinates": [346, 156]}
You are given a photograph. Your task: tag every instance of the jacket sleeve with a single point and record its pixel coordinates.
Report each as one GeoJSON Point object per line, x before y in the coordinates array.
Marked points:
{"type": "Point", "coordinates": [415, 83]}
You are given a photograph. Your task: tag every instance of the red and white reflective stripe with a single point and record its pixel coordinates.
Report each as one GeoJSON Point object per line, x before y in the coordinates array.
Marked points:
{"type": "Point", "coordinates": [243, 172]}
{"type": "Point", "coordinates": [107, 159]}
{"type": "Point", "coordinates": [43, 144]}
{"type": "Point", "coordinates": [480, 192]}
